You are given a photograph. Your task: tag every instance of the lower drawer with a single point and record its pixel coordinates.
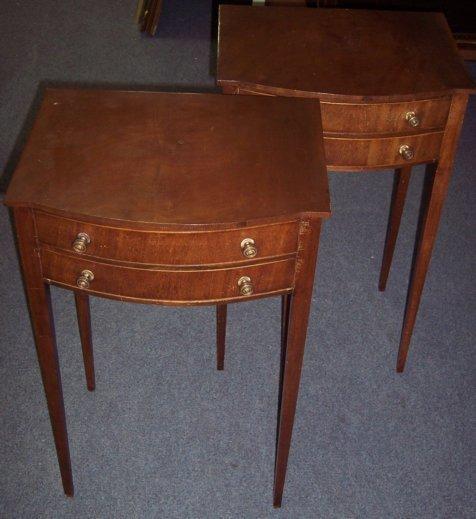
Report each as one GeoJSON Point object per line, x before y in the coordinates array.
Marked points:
{"type": "Point", "coordinates": [363, 153]}
{"type": "Point", "coordinates": [168, 286]}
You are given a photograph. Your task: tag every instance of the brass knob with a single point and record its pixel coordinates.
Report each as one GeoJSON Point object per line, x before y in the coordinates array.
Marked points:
{"type": "Point", "coordinates": [248, 248]}
{"type": "Point", "coordinates": [245, 286]}
{"type": "Point", "coordinates": [412, 119]}
{"type": "Point", "coordinates": [406, 152]}
{"type": "Point", "coordinates": [85, 279]}
{"type": "Point", "coordinates": [81, 241]}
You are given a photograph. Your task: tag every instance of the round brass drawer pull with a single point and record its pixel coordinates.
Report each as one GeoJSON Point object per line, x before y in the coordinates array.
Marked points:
{"type": "Point", "coordinates": [245, 286]}
{"type": "Point", "coordinates": [412, 119]}
{"type": "Point", "coordinates": [248, 248]}
{"type": "Point", "coordinates": [85, 279]}
{"type": "Point", "coordinates": [406, 152]}
{"type": "Point", "coordinates": [81, 241]}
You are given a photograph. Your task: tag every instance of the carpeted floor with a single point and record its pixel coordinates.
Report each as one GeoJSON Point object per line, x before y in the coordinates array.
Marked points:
{"type": "Point", "coordinates": [166, 435]}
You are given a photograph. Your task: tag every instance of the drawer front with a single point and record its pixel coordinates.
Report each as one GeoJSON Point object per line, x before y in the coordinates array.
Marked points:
{"type": "Point", "coordinates": [429, 114]}
{"type": "Point", "coordinates": [385, 118]}
{"type": "Point", "coordinates": [342, 153]}
{"type": "Point", "coordinates": [163, 248]}
{"type": "Point", "coordinates": [168, 286]}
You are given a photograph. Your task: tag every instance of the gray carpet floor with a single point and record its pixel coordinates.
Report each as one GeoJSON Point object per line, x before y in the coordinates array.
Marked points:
{"type": "Point", "coordinates": [166, 435]}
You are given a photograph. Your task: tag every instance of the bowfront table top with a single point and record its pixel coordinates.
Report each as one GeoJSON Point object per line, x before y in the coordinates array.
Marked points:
{"type": "Point", "coordinates": [173, 159]}
{"type": "Point", "coordinates": [359, 55]}
{"type": "Point", "coordinates": [178, 199]}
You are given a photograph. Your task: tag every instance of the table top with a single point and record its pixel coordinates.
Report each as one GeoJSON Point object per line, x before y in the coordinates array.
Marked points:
{"type": "Point", "coordinates": [173, 158]}
{"type": "Point", "coordinates": [359, 55]}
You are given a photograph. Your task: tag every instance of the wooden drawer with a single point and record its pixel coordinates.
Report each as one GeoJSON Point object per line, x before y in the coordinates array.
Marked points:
{"type": "Point", "coordinates": [384, 118]}
{"type": "Point", "coordinates": [171, 286]}
{"type": "Point", "coordinates": [343, 153]}
{"type": "Point", "coordinates": [166, 248]}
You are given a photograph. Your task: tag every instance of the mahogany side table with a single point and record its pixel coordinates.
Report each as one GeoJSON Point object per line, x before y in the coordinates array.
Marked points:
{"type": "Point", "coordinates": [393, 93]}
{"type": "Point", "coordinates": [174, 199]}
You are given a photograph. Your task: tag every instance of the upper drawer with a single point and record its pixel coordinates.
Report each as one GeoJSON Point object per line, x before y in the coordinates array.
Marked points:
{"type": "Point", "coordinates": [385, 117]}
{"type": "Point", "coordinates": [430, 114]}
{"type": "Point", "coordinates": [168, 286]}
{"type": "Point", "coordinates": [169, 248]}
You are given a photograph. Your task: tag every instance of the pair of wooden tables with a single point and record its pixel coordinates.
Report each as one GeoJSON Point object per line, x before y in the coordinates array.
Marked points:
{"type": "Point", "coordinates": [187, 199]}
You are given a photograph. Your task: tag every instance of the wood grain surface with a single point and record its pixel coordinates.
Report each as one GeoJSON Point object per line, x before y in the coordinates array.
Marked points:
{"type": "Point", "coordinates": [173, 159]}
{"type": "Point", "coordinates": [358, 55]}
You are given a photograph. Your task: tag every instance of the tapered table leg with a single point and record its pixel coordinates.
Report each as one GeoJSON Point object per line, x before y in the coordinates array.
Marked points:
{"type": "Point", "coordinates": [402, 178]}
{"type": "Point", "coordinates": [285, 308]}
{"type": "Point", "coordinates": [431, 219]}
{"type": "Point", "coordinates": [285, 305]}
{"type": "Point", "coordinates": [294, 350]}
{"type": "Point", "coordinates": [221, 335]}
{"type": "Point", "coordinates": [84, 324]}
{"type": "Point", "coordinates": [432, 203]}
{"type": "Point", "coordinates": [38, 296]}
